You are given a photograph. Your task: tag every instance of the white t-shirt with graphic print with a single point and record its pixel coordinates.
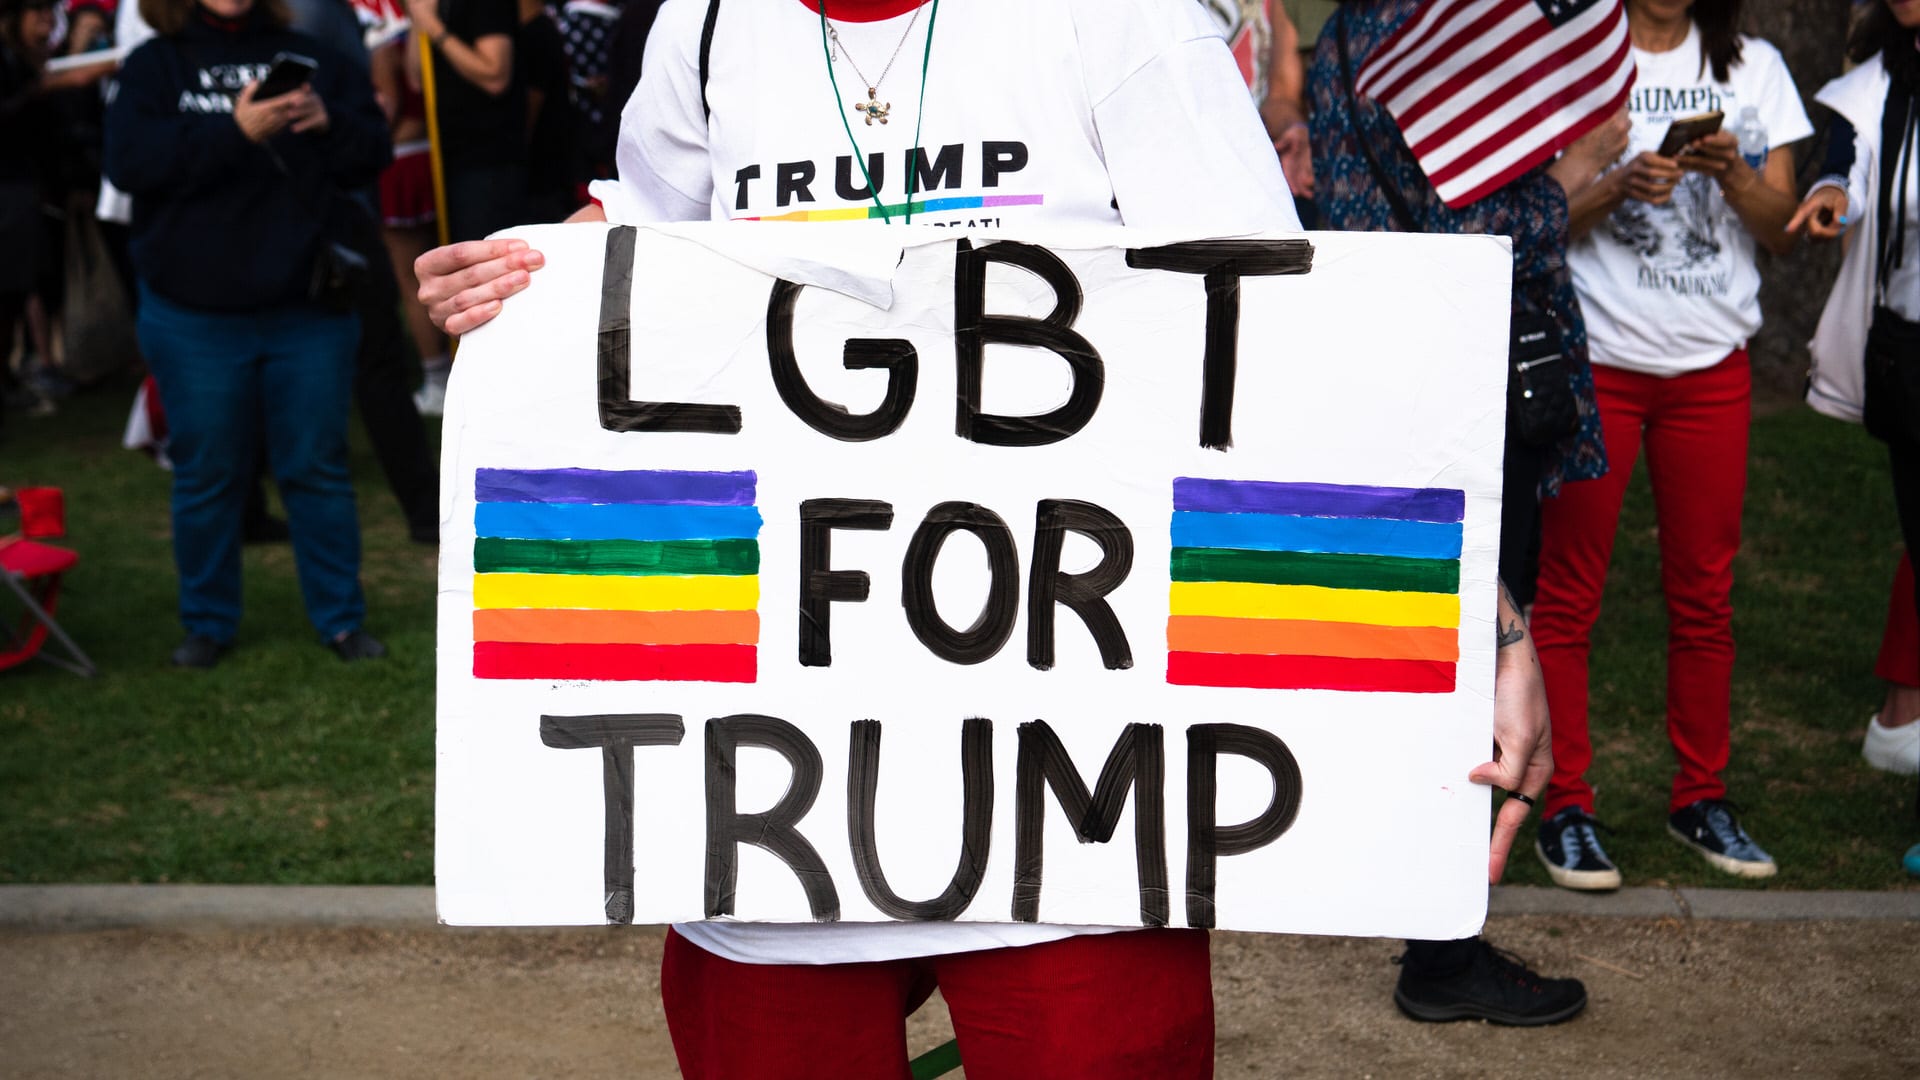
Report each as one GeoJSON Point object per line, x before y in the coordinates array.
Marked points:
{"type": "Point", "coordinates": [1041, 112]}
{"type": "Point", "coordinates": [1037, 111]}
{"type": "Point", "coordinates": [1671, 289]}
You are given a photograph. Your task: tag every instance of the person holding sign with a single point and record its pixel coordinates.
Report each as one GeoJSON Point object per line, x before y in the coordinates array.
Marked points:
{"type": "Point", "coordinates": [1127, 112]}
{"type": "Point", "coordinates": [1664, 263]}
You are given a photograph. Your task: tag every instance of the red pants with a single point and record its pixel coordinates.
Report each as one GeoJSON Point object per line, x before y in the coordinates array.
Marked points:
{"type": "Point", "coordinates": [1899, 660]}
{"type": "Point", "coordinates": [1133, 1004]}
{"type": "Point", "coordinates": [1694, 427]}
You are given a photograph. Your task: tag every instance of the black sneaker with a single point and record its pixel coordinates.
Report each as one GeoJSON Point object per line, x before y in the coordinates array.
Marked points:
{"type": "Point", "coordinates": [357, 645]}
{"type": "Point", "coordinates": [1567, 845]}
{"type": "Point", "coordinates": [1709, 827]}
{"type": "Point", "coordinates": [1495, 985]}
{"type": "Point", "coordinates": [198, 652]}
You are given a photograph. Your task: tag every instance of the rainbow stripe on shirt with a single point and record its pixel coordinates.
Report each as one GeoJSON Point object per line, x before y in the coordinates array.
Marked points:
{"type": "Point", "coordinates": [918, 206]}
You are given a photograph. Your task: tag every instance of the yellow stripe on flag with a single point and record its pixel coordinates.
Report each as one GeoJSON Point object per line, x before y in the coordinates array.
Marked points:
{"type": "Point", "coordinates": [703, 592]}
{"type": "Point", "coordinates": [1240, 600]}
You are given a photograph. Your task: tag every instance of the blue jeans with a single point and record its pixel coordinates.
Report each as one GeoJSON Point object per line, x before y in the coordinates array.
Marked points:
{"type": "Point", "coordinates": [228, 380]}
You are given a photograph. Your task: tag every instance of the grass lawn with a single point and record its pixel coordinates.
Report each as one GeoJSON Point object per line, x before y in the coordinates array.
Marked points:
{"type": "Point", "coordinates": [284, 765]}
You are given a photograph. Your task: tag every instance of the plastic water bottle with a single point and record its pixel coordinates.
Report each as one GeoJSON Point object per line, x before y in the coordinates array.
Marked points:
{"type": "Point", "coordinates": [1753, 137]}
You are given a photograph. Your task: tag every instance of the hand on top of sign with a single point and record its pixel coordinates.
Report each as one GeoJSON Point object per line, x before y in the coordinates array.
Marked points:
{"type": "Point", "coordinates": [462, 285]}
{"type": "Point", "coordinates": [1522, 746]}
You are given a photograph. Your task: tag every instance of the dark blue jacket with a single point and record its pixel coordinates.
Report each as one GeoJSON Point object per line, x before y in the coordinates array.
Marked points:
{"type": "Point", "coordinates": [221, 223]}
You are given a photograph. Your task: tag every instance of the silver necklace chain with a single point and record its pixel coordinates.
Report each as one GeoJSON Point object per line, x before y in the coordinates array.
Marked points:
{"type": "Point", "coordinates": [873, 87]}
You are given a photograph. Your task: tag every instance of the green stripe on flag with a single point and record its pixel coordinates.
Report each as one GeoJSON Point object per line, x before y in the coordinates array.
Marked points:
{"type": "Point", "coordinates": [1330, 570]}
{"type": "Point", "coordinates": [498, 555]}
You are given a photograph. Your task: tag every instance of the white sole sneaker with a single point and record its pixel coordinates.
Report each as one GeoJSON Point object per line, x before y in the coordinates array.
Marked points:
{"type": "Point", "coordinates": [1736, 867]}
{"type": "Point", "coordinates": [431, 399]}
{"type": "Point", "coordinates": [1582, 880]}
{"type": "Point", "coordinates": [1894, 750]}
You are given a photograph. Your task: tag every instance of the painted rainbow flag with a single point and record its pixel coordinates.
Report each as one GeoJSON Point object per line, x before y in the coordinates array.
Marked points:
{"type": "Point", "coordinates": [614, 575]}
{"type": "Point", "coordinates": [1314, 586]}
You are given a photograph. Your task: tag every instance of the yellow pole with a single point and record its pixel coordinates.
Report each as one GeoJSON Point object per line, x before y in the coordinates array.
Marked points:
{"type": "Point", "coordinates": [433, 137]}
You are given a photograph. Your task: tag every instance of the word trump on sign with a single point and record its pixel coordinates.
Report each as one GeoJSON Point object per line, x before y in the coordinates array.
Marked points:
{"type": "Point", "coordinates": [857, 574]}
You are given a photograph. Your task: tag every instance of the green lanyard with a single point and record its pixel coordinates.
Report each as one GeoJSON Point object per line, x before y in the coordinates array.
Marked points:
{"type": "Point", "coordinates": [913, 174]}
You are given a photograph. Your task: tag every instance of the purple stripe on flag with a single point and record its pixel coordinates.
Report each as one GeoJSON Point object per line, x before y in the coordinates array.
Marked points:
{"type": "Point", "coordinates": [1014, 200]}
{"type": "Point", "coordinates": [658, 487]}
{"type": "Point", "coordinates": [1318, 500]}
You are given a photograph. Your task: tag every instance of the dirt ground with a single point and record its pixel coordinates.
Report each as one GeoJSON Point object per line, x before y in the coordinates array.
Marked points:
{"type": "Point", "coordinates": [1669, 998]}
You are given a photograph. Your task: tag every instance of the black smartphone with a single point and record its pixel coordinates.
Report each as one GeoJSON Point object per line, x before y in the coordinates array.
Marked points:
{"type": "Point", "coordinates": [1686, 129]}
{"type": "Point", "coordinates": [290, 72]}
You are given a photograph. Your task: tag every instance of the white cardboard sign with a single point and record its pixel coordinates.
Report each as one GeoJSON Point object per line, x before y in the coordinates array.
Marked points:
{"type": "Point", "coordinates": [877, 574]}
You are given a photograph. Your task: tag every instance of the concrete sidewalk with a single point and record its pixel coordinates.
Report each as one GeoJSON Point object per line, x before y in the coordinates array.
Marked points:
{"type": "Point", "coordinates": [80, 907]}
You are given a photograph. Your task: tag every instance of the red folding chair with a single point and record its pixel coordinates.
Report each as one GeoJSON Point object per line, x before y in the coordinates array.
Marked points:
{"type": "Point", "coordinates": [31, 572]}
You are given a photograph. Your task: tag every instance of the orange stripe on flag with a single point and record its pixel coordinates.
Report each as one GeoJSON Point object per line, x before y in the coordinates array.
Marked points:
{"type": "Point", "coordinates": [1302, 637]}
{"type": "Point", "coordinates": [586, 627]}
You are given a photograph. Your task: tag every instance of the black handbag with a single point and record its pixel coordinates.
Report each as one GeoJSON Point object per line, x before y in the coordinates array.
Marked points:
{"type": "Point", "coordinates": [1891, 411]}
{"type": "Point", "coordinates": [340, 269]}
{"type": "Point", "coordinates": [1891, 406]}
{"type": "Point", "coordinates": [1541, 409]}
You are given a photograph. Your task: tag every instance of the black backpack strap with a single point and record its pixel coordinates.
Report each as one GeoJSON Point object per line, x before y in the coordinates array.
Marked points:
{"type": "Point", "coordinates": [1402, 215]}
{"type": "Point", "coordinates": [1898, 123]}
{"type": "Point", "coordinates": [706, 53]}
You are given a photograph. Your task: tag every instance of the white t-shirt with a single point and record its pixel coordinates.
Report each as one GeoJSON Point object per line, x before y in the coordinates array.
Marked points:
{"type": "Point", "coordinates": [1100, 112]}
{"type": "Point", "coordinates": [1673, 288]}
{"type": "Point", "coordinates": [1037, 111]}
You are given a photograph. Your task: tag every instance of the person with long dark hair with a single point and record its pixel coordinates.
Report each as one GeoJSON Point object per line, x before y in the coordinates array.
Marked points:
{"type": "Point", "coordinates": [230, 191]}
{"type": "Point", "coordinates": [1866, 349]}
{"type": "Point", "coordinates": [1664, 265]}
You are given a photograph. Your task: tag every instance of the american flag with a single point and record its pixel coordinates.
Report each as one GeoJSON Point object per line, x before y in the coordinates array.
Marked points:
{"type": "Point", "coordinates": [1484, 90]}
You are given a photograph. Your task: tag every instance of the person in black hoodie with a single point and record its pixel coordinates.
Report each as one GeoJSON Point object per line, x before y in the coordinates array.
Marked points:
{"type": "Point", "coordinates": [230, 197]}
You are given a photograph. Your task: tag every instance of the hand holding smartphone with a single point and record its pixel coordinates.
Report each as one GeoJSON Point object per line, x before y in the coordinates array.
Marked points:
{"type": "Point", "coordinates": [1683, 131]}
{"type": "Point", "coordinates": [290, 72]}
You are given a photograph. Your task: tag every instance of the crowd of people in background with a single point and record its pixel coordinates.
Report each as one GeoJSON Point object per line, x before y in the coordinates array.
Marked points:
{"type": "Point", "coordinates": [284, 258]}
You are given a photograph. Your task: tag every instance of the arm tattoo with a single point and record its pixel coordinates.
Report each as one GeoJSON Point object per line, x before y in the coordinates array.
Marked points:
{"type": "Point", "coordinates": [1512, 631]}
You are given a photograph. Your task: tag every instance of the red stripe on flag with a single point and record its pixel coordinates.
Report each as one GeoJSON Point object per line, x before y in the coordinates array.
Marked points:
{"type": "Point", "coordinates": [1471, 35]}
{"type": "Point", "coordinates": [1436, 76]}
{"type": "Point", "coordinates": [1515, 87]}
{"type": "Point", "coordinates": [1465, 77]}
{"type": "Point", "coordinates": [1410, 38]}
{"type": "Point", "coordinates": [614, 663]}
{"type": "Point", "coordinates": [1309, 673]}
{"type": "Point", "coordinates": [1533, 118]}
{"type": "Point", "coordinates": [1507, 175]}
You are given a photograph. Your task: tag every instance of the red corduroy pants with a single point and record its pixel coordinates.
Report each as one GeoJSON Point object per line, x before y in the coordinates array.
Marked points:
{"type": "Point", "coordinates": [1133, 1004]}
{"type": "Point", "coordinates": [1693, 428]}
